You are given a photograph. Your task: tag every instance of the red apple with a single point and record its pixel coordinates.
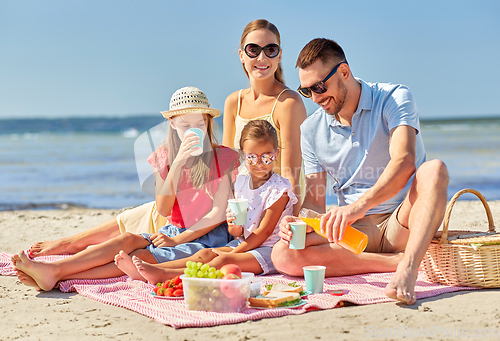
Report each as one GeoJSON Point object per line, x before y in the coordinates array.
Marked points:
{"type": "Point", "coordinates": [229, 288]}
{"type": "Point", "coordinates": [231, 269]}
{"type": "Point", "coordinates": [230, 276]}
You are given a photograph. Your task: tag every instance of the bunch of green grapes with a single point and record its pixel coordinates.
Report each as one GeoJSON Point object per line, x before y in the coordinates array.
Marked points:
{"type": "Point", "coordinates": [200, 270]}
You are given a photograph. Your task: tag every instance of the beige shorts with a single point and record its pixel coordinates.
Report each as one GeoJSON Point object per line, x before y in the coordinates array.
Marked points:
{"type": "Point", "coordinates": [385, 233]}
{"type": "Point", "coordinates": [141, 219]}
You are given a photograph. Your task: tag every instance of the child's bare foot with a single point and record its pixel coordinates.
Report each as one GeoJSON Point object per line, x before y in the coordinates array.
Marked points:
{"type": "Point", "coordinates": [151, 273]}
{"type": "Point", "coordinates": [27, 280]}
{"type": "Point", "coordinates": [124, 262]}
{"type": "Point", "coordinates": [15, 259]}
{"type": "Point", "coordinates": [44, 274]}
{"type": "Point", "coordinates": [46, 248]}
{"type": "Point", "coordinates": [402, 285]}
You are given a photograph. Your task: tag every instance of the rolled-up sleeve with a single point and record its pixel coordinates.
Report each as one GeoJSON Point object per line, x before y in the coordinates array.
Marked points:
{"type": "Point", "coordinates": [311, 163]}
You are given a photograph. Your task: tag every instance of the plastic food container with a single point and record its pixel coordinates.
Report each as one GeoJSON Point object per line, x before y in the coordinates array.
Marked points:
{"type": "Point", "coordinates": [220, 295]}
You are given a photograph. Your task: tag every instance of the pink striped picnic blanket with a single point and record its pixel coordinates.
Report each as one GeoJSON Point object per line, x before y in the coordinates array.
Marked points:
{"type": "Point", "coordinates": [136, 296]}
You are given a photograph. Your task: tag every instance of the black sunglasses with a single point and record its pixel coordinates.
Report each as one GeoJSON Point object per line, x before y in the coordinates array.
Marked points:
{"type": "Point", "coordinates": [253, 50]}
{"type": "Point", "coordinates": [319, 87]}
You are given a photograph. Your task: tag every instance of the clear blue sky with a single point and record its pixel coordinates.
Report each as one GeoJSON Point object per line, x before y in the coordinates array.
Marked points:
{"type": "Point", "coordinates": [107, 58]}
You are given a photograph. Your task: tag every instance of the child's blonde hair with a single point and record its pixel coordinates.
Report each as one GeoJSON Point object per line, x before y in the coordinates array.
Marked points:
{"type": "Point", "coordinates": [259, 130]}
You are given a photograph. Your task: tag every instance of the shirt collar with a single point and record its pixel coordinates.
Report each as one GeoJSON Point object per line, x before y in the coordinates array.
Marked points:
{"type": "Point", "coordinates": [366, 98]}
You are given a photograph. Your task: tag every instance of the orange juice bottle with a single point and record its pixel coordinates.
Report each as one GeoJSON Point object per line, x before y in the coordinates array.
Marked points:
{"type": "Point", "coordinates": [354, 240]}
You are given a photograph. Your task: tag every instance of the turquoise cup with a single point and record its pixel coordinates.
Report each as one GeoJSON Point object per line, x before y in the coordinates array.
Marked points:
{"type": "Point", "coordinates": [315, 277]}
{"type": "Point", "coordinates": [239, 209]}
{"type": "Point", "coordinates": [197, 149]}
{"type": "Point", "coordinates": [298, 240]}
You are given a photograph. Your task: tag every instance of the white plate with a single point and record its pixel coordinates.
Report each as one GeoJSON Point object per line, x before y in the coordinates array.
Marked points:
{"type": "Point", "coordinates": [167, 297]}
{"type": "Point", "coordinates": [298, 304]}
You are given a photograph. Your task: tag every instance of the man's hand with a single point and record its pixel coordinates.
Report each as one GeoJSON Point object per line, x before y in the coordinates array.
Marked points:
{"type": "Point", "coordinates": [161, 240]}
{"type": "Point", "coordinates": [335, 221]}
{"type": "Point", "coordinates": [285, 232]}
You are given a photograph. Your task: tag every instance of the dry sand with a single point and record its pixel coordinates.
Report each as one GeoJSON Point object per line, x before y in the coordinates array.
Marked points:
{"type": "Point", "coordinates": [26, 314]}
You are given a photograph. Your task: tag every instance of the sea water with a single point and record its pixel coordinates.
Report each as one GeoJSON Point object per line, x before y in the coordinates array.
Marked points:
{"type": "Point", "coordinates": [54, 163]}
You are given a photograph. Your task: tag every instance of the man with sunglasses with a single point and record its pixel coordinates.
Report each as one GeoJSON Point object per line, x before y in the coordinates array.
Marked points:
{"type": "Point", "coordinates": [366, 136]}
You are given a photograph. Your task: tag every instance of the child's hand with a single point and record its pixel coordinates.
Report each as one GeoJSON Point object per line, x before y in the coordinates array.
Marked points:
{"type": "Point", "coordinates": [230, 217]}
{"type": "Point", "coordinates": [161, 240]}
{"type": "Point", "coordinates": [234, 230]}
{"type": "Point", "coordinates": [219, 252]}
{"type": "Point", "coordinates": [190, 140]}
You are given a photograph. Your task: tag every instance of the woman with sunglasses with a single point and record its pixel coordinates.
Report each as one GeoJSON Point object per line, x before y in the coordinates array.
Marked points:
{"type": "Point", "coordinates": [267, 98]}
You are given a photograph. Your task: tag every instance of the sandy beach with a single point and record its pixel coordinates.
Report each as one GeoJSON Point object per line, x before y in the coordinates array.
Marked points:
{"type": "Point", "coordinates": [26, 314]}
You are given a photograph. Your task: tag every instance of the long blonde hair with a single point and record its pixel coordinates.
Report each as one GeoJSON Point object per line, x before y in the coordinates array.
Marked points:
{"type": "Point", "coordinates": [258, 25]}
{"type": "Point", "coordinates": [200, 172]}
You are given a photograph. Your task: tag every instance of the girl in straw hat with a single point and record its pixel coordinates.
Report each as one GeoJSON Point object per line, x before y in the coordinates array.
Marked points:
{"type": "Point", "coordinates": [192, 190]}
{"type": "Point", "coordinates": [267, 98]}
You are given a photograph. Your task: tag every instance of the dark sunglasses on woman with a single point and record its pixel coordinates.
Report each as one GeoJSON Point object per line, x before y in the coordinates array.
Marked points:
{"type": "Point", "coordinates": [253, 50]}
{"type": "Point", "coordinates": [319, 87]}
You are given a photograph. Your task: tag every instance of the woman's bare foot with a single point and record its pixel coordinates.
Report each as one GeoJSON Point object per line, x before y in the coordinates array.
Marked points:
{"type": "Point", "coordinates": [402, 285]}
{"type": "Point", "coordinates": [53, 247]}
{"type": "Point", "coordinates": [124, 262]}
{"type": "Point", "coordinates": [44, 274]}
{"type": "Point", "coordinates": [151, 273]}
{"type": "Point", "coordinates": [27, 280]}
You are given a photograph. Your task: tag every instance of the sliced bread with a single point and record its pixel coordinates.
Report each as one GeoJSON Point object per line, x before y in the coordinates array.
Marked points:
{"type": "Point", "coordinates": [285, 288]}
{"type": "Point", "coordinates": [273, 299]}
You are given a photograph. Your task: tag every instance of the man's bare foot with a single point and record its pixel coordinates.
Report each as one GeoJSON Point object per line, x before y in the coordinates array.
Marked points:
{"type": "Point", "coordinates": [402, 285]}
{"type": "Point", "coordinates": [124, 262]}
{"type": "Point", "coordinates": [44, 274]}
{"type": "Point", "coordinates": [27, 280]}
{"type": "Point", "coordinates": [151, 273]}
{"type": "Point", "coordinates": [54, 247]}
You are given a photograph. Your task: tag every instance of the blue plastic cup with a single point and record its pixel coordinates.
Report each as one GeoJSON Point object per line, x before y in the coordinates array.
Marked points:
{"type": "Point", "coordinates": [239, 209]}
{"type": "Point", "coordinates": [315, 277]}
{"type": "Point", "coordinates": [298, 240]}
{"type": "Point", "coordinates": [197, 149]}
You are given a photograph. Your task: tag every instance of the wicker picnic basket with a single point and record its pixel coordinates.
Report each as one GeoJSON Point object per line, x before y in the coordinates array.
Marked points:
{"type": "Point", "coordinates": [465, 258]}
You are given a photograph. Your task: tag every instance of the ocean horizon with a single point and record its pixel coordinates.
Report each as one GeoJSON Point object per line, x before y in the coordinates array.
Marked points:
{"type": "Point", "coordinates": [55, 163]}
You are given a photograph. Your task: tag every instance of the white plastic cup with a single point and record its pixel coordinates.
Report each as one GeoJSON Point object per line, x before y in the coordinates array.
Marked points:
{"type": "Point", "coordinates": [298, 241]}
{"type": "Point", "coordinates": [239, 209]}
{"type": "Point", "coordinates": [197, 149]}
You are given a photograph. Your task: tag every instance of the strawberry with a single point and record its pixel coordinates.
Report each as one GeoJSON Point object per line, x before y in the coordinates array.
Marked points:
{"type": "Point", "coordinates": [177, 280]}
{"type": "Point", "coordinates": [169, 292]}
{"type": "Point", "coordinates": [178, 293]}
{"type": "Point", "coordinates": [161, 291]}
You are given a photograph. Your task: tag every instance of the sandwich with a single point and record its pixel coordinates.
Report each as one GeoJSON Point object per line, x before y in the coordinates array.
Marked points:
{"type": "Point", "coordinates": [292, 287]}
{"type": "Point", "coordinates": [273, 299]}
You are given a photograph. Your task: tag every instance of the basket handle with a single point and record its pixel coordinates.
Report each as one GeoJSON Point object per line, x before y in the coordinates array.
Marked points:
{"type": "Point", "coordinates": [446, 221]}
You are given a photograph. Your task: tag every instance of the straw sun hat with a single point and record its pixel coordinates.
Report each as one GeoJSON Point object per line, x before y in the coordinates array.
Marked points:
{"type": "Point", "coordinates": [189, 100]}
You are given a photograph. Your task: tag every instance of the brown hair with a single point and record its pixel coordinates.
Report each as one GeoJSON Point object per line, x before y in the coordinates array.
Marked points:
{"type": "Point", "coordinates": [323, 49]}
{"type": "Point", "coordinates": [259, 130]}
{"type": "Point", "coordinates": [258, 25]}
{"type": "Point", "coordinates": [200, 172]}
